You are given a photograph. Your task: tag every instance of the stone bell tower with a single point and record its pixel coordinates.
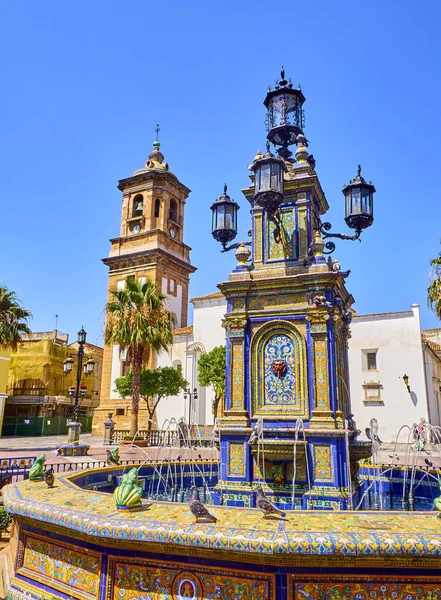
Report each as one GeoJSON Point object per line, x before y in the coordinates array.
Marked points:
{"type": "Point", "coordinates": [287, 326]}
{"type": "Point", "coordinates": [150, 245]}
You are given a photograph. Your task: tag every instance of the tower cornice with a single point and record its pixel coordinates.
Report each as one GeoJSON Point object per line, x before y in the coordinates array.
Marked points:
{"type": "Point", "coordinates": [149, 174]}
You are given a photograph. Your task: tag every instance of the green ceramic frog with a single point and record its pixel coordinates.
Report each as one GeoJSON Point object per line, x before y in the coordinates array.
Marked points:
{"type": "Point", "coordinates": [128, 494]}
{"type": "Point", "coordinates": [37, 470]}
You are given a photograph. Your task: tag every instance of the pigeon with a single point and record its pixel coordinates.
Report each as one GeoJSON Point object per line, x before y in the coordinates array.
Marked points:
{"type": "Point", "coordinates": [254, 434]}
{"type": "Point", "coordinates": [197, 509]}
{"type": "Point", "coordinates": [428, 462]}
{"type": "Point", "coordinates": [49, 477]}
{"type": "Point", "coordinates": [265, 505]}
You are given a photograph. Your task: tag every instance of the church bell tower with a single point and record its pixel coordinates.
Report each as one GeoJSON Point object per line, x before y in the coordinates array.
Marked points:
{"type": "Point", "coordinates": [151, 246]}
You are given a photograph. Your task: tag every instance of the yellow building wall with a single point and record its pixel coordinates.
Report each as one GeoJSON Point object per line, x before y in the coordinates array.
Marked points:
{"type": "Point", "coordinates": [5, 361]}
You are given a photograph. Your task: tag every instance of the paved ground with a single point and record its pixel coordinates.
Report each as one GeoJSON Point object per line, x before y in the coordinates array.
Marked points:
{"type": "Point", "coordinates": [14, 447]}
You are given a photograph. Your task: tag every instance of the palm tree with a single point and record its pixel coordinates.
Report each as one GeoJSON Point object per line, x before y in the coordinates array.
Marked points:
{"type": "Point", "coordinates": [13, 319]}
{"type": "Point", "coordinates": [137, 319]}
{"type": "Point", "coordinates": [434, 289]}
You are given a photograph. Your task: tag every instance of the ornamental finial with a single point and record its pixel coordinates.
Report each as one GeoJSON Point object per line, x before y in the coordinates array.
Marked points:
{"type": "Point", "coordinates": [359, 170]}
{"type": "Point", "coordinates": [282, 73]}
{"type": "Point", "coordinates": [225, 188]}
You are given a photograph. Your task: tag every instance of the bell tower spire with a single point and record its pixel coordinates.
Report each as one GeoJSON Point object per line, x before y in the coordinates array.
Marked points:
{"type": "Point", "coordinates": [150, 245]}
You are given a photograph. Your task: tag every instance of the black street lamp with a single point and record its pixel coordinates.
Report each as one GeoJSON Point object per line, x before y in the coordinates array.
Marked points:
{"type": "Point", "coordinates": [80, 391]}
{"type": "Point", "coordinates": [224, 220]}
{"type": "Point", "coordinates": [189, 395]}
{"type": "Point", "coordinates": [359, 210]}
{"type": "Point", "coordinates": [268, 181]}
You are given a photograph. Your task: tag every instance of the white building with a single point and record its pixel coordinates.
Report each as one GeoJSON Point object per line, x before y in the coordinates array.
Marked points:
{"type": "Point", "coordinates": [383, 348]}
{"type": "Point", "coordinates": [189, 343]}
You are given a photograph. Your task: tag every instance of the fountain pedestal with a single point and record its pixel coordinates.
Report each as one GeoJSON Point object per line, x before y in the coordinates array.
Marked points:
{"type": "Point", "coordinates": [73, 447]}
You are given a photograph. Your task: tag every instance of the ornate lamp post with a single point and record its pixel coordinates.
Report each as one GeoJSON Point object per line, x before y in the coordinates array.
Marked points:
{"type": "Point", "coordinates": [224, 220]}
{"type": "Point", "coordinates": [74, 426]}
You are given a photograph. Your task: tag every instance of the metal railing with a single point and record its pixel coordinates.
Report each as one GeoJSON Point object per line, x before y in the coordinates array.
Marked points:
{"type": "Point", "coordinates": [158, 437]}
{"type": "Point", "coordinates": [154, 437]}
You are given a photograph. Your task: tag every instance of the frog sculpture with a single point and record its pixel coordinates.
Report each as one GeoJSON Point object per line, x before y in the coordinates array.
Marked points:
{"type": "Point", "coordinates": [128, 494]}
{"type": "Point", "coordinates": [37, 470]}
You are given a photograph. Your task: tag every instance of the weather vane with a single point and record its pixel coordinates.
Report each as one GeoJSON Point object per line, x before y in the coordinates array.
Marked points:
{"type": "Point", "coordinates": [157, 132]}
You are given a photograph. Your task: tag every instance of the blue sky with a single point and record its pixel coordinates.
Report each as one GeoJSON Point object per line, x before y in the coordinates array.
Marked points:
{"type": "Point", "coordinates": [83, 85]}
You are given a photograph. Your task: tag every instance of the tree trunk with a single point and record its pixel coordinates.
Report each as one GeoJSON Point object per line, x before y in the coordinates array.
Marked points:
{"type": "Point", "coordinates": [137, 366]}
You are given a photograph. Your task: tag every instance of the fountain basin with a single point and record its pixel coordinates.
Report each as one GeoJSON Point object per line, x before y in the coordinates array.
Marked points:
{"type": "Point", "coordinates": [72, 542]}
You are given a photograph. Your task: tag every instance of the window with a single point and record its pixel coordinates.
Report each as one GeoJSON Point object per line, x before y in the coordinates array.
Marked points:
{"type": "Point", "coordinates": [369, 360]}
{"type": "Point", "coordinates": [120, 412]}
{"type": "Point", "coordinates": [157, 207]}
{"type": "Point", "coordinates": [172, 287]}
{"type": "Point", "coordinates": [173, 214]}
{"type": "Point", "coordinates": [120, 284]}
{"type": "Point", "coordinates": [142, 280]}
{"type": "Point", "coordinates": [177, 365]}
{"type": "Point", "coordinates": [138, 205]}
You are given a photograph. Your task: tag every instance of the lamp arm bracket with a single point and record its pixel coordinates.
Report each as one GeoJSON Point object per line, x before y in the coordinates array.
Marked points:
{"type": "Point", "coordinates": [235, 246]}
{"type": "Point", "coordinates": [325, 227]}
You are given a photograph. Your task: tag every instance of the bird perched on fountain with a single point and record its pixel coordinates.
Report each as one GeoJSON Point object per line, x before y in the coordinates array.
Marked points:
{"type": "Point", "coordinates": [266, 506]}
{"type": "Point", "coordinates": [113, 457]}
{"type": "Point", "coordinates": [197, 509]}
{"type": "Point", "coordinates": [254, 434]}
{"type": "Point", "coordinates": [428, 462]}
{"type": "Point", "coordinates": [49, 477]}
{"type": "Point", "coordinates": [372, 435]}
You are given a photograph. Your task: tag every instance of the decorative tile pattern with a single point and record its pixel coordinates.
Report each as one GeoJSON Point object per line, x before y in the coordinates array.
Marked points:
{"type": "Point", "coordinates": [323, 464]}
{"type": "Point", "coordinates": [67, 568]}
{"type": "Point", "coordinates": [236, 460]}
{"type": "Point", "coordinates": [284, 301]}
{"type": "Point", "coordinates": [287, 247]}
{"type": "Point", "coordinates": [237, 367]}
{"type": "Point", "coordinates": [321, 372]}
{"type": "Point", "coordinates": [364, 588]}
{"type": "Point", "coordinates": [279, 348]}
{"type": "Point", "coordinates": [279, 340]}
{"type": "Point", "coordinates": [92, 513]}
{"type": "Point", "coordinates": [135, 579]}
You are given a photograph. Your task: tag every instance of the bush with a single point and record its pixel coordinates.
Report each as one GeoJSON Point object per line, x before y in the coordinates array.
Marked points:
{"type": "Point", "coordinates": [133, 438]}
{"type": "Point", "coordinates": [5, 519]}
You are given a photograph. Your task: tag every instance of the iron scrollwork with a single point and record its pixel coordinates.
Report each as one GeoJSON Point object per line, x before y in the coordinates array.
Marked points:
{"type": "Point", "coordinates": [330, 246]}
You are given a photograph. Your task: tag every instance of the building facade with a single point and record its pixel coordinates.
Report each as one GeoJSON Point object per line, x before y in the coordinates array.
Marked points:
{"type": "Point", "coordinates": [38, 399]}
{"type": "Point", "coordinates": [150, 245]}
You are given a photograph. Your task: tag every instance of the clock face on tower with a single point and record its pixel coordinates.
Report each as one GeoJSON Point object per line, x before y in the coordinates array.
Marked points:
{"type": "Point", "coordinates": [172, 232]}
{"type": "Point", "coordinates": [136, 228]}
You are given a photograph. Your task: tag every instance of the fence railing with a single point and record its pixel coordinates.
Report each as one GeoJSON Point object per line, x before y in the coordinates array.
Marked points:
{"type": "Point", "coordinates": [158, 437]}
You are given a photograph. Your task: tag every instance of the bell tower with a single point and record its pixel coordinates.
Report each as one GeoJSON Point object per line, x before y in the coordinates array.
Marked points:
{"type": "Point", "coordinates": [150, 245]}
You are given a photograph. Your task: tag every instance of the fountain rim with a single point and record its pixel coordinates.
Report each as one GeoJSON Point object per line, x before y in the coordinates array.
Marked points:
{"type": "Point", "coordinates": [407, 534]}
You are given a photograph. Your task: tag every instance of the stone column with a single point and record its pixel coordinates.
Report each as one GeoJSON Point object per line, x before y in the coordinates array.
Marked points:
{"type": "Point", "coordinates": [322, 415]}
{"type": "Point", "coordinates": [236, 413]}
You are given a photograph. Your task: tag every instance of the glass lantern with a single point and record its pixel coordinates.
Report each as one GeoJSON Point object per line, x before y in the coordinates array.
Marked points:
{"type": "Point", "coordinates": [285, 118]}
{"type": "Point", "coordinates": [359, 203]}
{"type": "Point", "coordinates": [268, 181]}
{"type": "Point", "coordinates": [89, 367]}
{"type": "Point", "coordinates": [224, 219]}
{"type": "Point", "coordinates": [68, 365]}
{"type": "Point", "coordinates": [82, 336]}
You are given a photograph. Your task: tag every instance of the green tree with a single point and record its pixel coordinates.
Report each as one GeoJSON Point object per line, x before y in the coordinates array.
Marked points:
{"type": "Point", "coordinates": [154, 385]}
{"type": "Point", "coordinates": [212, 371]}
{"type": "Point", "coordinates": [434, 289]}
{"type": "Point", "coordinates": [13, 319]}
{"type": "Point", "coordinates": [137, 319]}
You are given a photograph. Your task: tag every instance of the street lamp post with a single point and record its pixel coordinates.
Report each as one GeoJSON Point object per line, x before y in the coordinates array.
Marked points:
{"type": "Point", "coordinates": [74, 426]}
